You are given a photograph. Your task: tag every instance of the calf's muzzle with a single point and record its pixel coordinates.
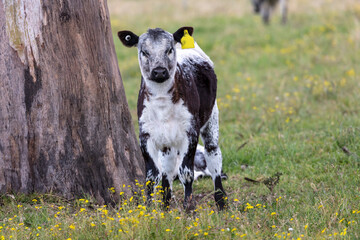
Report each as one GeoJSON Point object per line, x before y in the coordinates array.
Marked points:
{"type": "Point", "coordinates": [159, 74]}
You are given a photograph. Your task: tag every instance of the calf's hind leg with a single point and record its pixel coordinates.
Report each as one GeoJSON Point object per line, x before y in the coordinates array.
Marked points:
{"type": "Point", "coordinates": [186, 171]}
{"type": "Point", "coordinates": [210, 136]}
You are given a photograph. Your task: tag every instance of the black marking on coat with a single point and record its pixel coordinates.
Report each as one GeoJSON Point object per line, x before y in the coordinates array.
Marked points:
{"type": "Point", "coordinates": [143, 146]}
{"type": "Point", "coordinates": [219, 193]}
{"type": "Point", "coordinates": [143, 94]}
{"type": "Point", "coordinates": [166, 151]}
{"type": "Point", "coordinates": [204, 77]}
{"type": "Point", "coordinates": [128, 38]}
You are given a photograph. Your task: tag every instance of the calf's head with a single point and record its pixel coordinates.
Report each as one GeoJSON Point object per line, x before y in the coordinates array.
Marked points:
{"type": "Point", "coordinates": [156, 52]}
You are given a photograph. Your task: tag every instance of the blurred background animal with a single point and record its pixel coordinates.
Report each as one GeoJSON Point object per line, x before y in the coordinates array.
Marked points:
{"type": "Point", "coordinates": [266, 7]}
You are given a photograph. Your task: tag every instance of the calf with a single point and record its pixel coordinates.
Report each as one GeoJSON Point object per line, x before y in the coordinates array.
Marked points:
{"type": "Point", "coordinates": [266, 7]}
{"type": "Point", "coordinates": [176, 105]}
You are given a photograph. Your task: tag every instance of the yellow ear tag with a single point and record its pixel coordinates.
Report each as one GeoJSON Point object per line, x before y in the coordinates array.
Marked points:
{"type": "Point", "coordinates": [187, 41]}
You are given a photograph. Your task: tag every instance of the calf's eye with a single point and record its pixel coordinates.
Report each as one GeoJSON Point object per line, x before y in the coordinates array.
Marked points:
{"type": "Point", "coordinates": [171, 50]}
{"type": "Point", "coordinates": [145, 54]}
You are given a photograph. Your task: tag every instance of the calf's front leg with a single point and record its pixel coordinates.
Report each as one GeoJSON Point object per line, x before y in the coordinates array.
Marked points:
{"type": "Point", "coordinates": [152, 172]}
{"type": "Point", "coordinates": [167, 158]}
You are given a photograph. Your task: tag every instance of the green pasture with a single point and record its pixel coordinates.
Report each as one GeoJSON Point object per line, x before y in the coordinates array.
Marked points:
{"type": "Point", "coordinates": [289, 100]}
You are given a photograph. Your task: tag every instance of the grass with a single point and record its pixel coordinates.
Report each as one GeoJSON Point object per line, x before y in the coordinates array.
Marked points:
{"type": "Point", "coordinates": [291, 93]}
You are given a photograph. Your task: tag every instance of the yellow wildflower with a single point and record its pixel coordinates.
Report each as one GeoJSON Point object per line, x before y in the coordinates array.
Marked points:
{"type": "Point", "coordinates": [351, 73]}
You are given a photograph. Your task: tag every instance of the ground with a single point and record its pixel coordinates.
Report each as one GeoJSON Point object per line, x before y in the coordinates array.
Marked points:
{"type": "Point", "coordinates": [289, 103]}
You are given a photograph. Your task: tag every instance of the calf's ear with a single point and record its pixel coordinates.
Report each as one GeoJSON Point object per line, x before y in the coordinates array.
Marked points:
{"type": "Point", "coordinates": [128, 38]}
{"type": "Point", "coordinates": [180, 33]}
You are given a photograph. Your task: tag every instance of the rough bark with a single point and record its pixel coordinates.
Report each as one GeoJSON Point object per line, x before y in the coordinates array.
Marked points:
{"type": "Point", "coordinates": [65, 126]}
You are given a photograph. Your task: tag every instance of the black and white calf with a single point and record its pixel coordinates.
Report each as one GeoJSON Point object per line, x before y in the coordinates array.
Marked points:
{"type": "Point", "coordinates": [176, 105]}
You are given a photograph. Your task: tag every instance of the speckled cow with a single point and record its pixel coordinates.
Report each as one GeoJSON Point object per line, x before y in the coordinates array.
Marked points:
{"type": "Point", "coordinates": [176, 105]}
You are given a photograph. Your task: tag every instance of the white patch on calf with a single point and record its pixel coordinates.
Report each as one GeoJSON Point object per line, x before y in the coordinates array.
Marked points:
{"type": "Point", "coordinates": [159, 89]}
{"type": "Point", "coordinates": [196, 54]}
{"type": "Point", "coordinates": [170, 163]}
{"type": "Point", "coordinates": [167, 125]}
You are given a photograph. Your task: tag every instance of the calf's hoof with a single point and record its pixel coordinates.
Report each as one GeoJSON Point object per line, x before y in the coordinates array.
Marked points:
{"type": "Point", "coordinates": [189, 204]}
{"type": "Point", "coordinates": [220, 200]}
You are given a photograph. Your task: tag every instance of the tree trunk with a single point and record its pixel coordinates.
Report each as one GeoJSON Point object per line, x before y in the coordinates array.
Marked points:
{"type": "Point", "coordinates": [65, 126]}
